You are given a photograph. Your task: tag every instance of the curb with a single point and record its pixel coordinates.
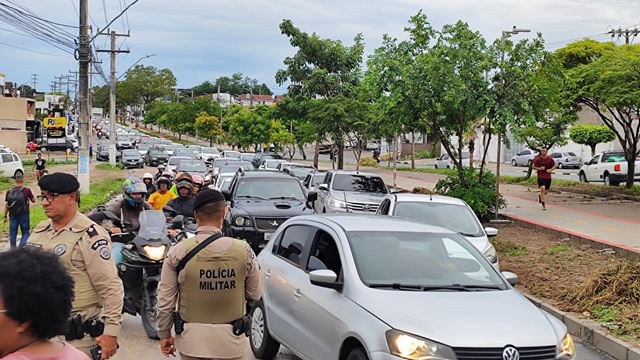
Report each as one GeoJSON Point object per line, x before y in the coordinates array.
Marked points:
{"type": "Point", "coordinates": [599, 339]}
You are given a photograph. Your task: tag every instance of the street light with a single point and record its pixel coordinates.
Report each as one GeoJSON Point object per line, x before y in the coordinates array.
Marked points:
{"type": "Point", "coordinates": [513, 31]}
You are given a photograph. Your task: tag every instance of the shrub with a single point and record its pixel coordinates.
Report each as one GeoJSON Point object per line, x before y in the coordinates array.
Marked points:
{"type": "Point", "coordinates": [369, 162]}
{"type": "Point", "coordinates": [426, 154]}
{"type": "Point", "coordinates": [421, 190]}
{"type": "Point", "coordinates": [481, 196]}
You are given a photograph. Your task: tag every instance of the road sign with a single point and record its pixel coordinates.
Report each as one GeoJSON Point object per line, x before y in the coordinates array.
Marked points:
{"type": "Point", "coordinates": [54, 122]}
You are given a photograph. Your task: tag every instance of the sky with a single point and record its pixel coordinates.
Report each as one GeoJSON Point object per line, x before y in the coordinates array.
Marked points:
{"type": "Point", "coordinates": [203, 39]}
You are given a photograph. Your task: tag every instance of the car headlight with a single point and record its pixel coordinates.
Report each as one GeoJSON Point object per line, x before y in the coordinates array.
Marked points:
{"type": "Point", "coordinates": [155, 252]}
{"type": "Point", "coordinates": [412, 347]}
{"type": "Point", "coordinates": [491, 255]}
{"type": "Point", "coordinates": [338, 204]}
{"type": "Point", "coordinates": [566, 348]}
{"type": "Point", "coordinates": [242, 221]}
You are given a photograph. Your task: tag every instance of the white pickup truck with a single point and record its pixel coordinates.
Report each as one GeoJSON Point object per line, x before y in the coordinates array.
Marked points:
{"type": "Point", "coordinates": [609, 167]}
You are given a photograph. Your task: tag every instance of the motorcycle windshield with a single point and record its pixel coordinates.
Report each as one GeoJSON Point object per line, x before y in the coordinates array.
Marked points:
{"type": "Point", "coordinates": [153, 224]}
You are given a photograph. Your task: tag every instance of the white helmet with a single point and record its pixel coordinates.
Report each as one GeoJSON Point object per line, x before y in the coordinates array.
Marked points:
{"type": "Point", "coordinates": [147, 176]}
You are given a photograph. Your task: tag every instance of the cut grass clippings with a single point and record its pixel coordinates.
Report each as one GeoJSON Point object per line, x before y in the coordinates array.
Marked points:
{"type": "Point", "coordinates": [100, 194]}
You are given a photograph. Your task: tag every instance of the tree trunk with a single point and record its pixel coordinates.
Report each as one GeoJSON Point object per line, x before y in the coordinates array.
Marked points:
{"type": "Point", "coordinates": [593, 150]}
{"type": "Point", "coordinates": [341, 156]}
{"type": "Point", "coordinates": [211, 142]}
{"type": "Point", "coordinates": [631, 170]}
{"type": "Point", "coordinates": [413, 150]}
{"type": "Point", "coordinates": [179, 135]}
{"type": "Point", "coordinates": [304, 155]}
{"type": "Point", "coordinates": [530, 170]}
{"type": "Point", "coordinates": [316, 154]}
{"type": "Point", "coordinates": [486, 139]}
{"type": "Point", "coordinates": [472, 149]}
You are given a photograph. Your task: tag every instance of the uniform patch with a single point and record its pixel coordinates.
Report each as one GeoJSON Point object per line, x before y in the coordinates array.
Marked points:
{"type": "Point", "coordinates": [60, 249]}
{"type": "Point", "coordinates": [105, 253]}
{"type": "Point", "coordinates": [92, 231]}
{"type": "Point", "coordinates": [99, 243]}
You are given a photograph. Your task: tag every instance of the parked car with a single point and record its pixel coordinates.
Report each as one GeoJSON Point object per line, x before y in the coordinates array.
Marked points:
{"type": "Point", "coordinates": [313, 179]}
{"type": "Point", "coordinates": [10, 163]}
{"type": "Point", "coordinates": [350, 191]}
{"type": "Point", "coordinates": [195, 167]}
{"type": "Point", "coordinates": [260, 201]}
{"type": "Point", "coordinates": [372, 287]}
{"type": "Point", "coordinates": [446, 162]}
{"type": "Point", "coordinates": [209, 154]}
{"type": "Point", "coordinates": [54, 146]}
{"type": "Point", "coordinates": [230, 154]}
{"type": "Point", "coordinates": [524, 158]}
{"type": "Point", "coordinates": [247, 156]}
{"type": "Point", "coordinates": [271, 164]}
{"type": "Point", "coordinates": [131, 159]}
{"type": "Point", "coordinates": [444, 211]}
{"type": "Point", "coordinates": [258, 158]}
{"type": "Point", "coordinates": [566, 160]}
{"type": "Point", "coordinates": [156, 155]}
{"type": "Point", "coordinates": [173, 162]}
{"type": "Point", "coordinates": [609, 167]}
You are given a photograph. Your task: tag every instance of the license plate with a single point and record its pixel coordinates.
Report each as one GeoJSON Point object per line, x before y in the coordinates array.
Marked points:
{"type": "Point", "coordinates": [268, 236]}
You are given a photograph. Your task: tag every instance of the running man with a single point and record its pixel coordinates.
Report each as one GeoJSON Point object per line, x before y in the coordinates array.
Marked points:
{"type": "Point", "coordinates": [545, 166]}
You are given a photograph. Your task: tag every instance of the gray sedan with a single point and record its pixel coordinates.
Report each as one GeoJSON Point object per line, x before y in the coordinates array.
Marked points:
{"type": "Point", "coordinates": [346, 286]}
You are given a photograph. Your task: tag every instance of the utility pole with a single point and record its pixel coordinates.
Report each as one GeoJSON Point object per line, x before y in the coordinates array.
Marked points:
{"type": "Point", "coordinates": [34, 81]}
{"type": "Point", "coordinates": [75, 91]}
{"type": "Point", "coordinates": [112, 96]}
{"type": "Point", "coordinates": [627, 33]}
{"type": "Point", "coordinates": [84, 58]}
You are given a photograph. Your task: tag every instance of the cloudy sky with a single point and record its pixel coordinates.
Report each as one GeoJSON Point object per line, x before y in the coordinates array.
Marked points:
{"type": "Point", "coordinates": [202, 39]}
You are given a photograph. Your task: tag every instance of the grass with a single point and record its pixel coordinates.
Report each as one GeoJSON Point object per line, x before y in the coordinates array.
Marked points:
{"type": "Point", "coordinates": [508, 247]}
{"type": "Point", "coordinates": [556, 249]}
{"type": "Point", "coordinates": [604, 314]}
{"type": "Point", "coordinates": [426, 170]}
{"type": "Point", "coordinates": [107, 166]}
{"type": "Point", "coordinates": [51, 162]}
{"type": "Point", "coordinates": [100, 194]}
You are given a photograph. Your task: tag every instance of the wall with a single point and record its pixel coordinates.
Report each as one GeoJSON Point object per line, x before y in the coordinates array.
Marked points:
{"type": "Point", "coordinates": [16, 140]}
{"type": "Point", "coordinates": [405, 149]}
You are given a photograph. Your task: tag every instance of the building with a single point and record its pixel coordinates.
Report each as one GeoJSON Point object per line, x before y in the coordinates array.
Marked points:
{"type": "Point", "coordinates": [17, 122]}
{"type": "Point", "coordinates": [248, 100]}
{"type": "Point", "coordinates": [224, 99]}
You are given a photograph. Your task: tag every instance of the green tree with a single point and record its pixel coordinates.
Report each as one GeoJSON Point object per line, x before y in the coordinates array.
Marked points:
{"type": "Point", "coordinates": [145, 84]}
{"type": "Point", "coordinates": [591, 135]}
{"type": "Point", "coordinates": [208, 126]}
{"type": "Point", "coordinates": [248, 128]}
{"type": "Point", "coordinates": [239, 84]}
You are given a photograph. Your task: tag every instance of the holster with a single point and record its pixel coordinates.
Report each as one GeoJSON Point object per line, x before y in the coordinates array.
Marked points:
{"type": "Point", "coordinates": [75, 329]}
{"type": "Point", "coordinates": [178, 323]}
{"type": "Point", "coordinates": [242, 326]}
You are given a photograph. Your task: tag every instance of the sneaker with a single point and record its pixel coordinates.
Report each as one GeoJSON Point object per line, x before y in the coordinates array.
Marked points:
{"type": "Point", "coordinates": [544, 207]}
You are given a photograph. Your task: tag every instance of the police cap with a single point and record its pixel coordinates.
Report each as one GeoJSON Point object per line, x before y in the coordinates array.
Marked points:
{"type": "Point", "coordinates": [60, 183]}
{"type": "Point", "coordinates": [207, 196]}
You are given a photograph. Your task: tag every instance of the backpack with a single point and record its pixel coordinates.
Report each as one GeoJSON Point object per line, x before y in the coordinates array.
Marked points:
{"type": "Point", "coordinates": [17, 202]}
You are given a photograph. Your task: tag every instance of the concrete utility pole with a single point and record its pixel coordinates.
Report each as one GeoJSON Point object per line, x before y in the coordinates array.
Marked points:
{"type": "Point", "coordinates": [84, 58]}
{"type": "Point", "coordinates": [624, 32]}
{"type": "Point", "coordinates": [34, 82]}
{"type": "Point", "coordinates": [112, 96]}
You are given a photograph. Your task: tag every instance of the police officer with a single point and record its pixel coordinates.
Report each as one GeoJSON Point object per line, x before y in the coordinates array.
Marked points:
{"type": "Point", "coordinates": [84, 249]}
{"type": "Point", "coordinates": [209, 285]}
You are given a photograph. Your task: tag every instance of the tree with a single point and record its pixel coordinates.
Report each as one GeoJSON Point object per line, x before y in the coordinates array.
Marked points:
{"type": "Point", "coordinates": [145, 84]}
{"type": "Point", "coordinates": [205, 88]}
{"type": "Point", "coordinates": [248, 128]}
{"type": "Point", "coordinates": [208, 126]}
{"type": "Point", "coordinates": [239, 84]}
{"type": "Point", "coordinates": [591, 135]}
{"type": "Point", "coordinates": [607, 82]}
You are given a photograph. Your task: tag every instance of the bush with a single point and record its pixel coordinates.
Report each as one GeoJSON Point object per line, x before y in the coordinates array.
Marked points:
{"type": "Point", "coordinates": [481, 196]}
{"type": "Point", "coordinates": [369, 162]}
{"type": "Point", "coordinates": [426, 154]}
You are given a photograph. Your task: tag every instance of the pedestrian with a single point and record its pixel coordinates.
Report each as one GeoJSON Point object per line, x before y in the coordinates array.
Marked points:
{"type": "Point", "coordinates": [35, 302]}
{"type": "Point", "coordinates": [17, 207]}
{"type": "Point", "coordinates": [544, 165]}
{"type": "Point", "coordinates": [90, 151]}
{"type": "Point", "coordinates": [40, 166]}
{"type": "Point", "coordinates": [84, 248]}
{"type": "Point", "coordinates": [209, 307]}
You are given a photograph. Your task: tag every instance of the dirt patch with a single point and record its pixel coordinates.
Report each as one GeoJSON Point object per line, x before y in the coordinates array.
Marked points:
{"type": "Point", "coordinates": [592, 284]}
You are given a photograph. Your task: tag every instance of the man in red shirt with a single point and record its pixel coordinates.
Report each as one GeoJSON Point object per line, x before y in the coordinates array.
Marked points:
{"type": "Point", "coordinates": [16, 207]}
{"type": "Point", "coordinates": [545, 166]}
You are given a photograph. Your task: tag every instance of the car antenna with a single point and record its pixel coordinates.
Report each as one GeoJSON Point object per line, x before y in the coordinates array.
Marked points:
{"type": "Point", "coordinates": [346, 204]}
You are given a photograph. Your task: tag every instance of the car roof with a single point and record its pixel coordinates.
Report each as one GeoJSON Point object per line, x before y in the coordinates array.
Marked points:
{"type": "Point", "coordinates": [440, 199]}
{"type": "Point", "coordinates": [266, 174]}
{"type": "Point", "coordinates": [352, 172]}
{"type": "Point", "coordinates": [365, 222]}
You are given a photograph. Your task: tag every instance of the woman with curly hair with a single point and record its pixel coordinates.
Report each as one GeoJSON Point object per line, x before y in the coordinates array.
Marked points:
{"type": "Point", "coordinates": [35, 303]}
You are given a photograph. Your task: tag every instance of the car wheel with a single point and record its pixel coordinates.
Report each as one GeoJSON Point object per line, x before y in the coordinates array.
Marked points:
{"type": "Point", "coordinates": [607, 180]}
{"type": "Point", "coordinates": [529, 162]}
{"type": "Point", "coordinates": [357, 354]}
{"type": "Point", "coordinates": [513, 162]}
{"type": "Point", "coordinates": [582, 177]}
{"type": "Point", "coordinates": [43, 149]}
{"type": "Point", "coordinates": [18, 173]}
{"type": "Point", "coordinates": [436, 166]}
{"type": "Point", "coordinates": [263, 345]}
{"type": "Point", "coordinates": [560, 166]}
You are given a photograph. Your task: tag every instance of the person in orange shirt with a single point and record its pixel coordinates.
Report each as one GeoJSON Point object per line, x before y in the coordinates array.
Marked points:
{"type": "Point", "coordinates": [161, 197]}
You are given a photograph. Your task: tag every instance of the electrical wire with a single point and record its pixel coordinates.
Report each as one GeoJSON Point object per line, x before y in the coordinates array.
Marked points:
{"type": "Point", "coordinates": [33, 51]}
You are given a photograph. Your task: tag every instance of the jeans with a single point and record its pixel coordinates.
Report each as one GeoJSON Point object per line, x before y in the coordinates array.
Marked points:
{"type": "Point", "coordinates": [21, 220]}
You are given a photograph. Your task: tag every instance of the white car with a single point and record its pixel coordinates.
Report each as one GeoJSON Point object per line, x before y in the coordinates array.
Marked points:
{"type": "Point", "coordinates": [524, 158]}
{"type": "Point", "coordinates": [271, 164]}
{"type": "Point", "coordinates": [445, 161]}
{"type": "Point", "coordinates": [209, 154]}
{"type": "Point", "coordinates": [173, 162]}
{"type": "Point", "coordinates": [10, 165]}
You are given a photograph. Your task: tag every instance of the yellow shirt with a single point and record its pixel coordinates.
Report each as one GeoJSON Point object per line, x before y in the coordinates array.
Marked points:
{"type": "Point", "coordinates": [158, 200]}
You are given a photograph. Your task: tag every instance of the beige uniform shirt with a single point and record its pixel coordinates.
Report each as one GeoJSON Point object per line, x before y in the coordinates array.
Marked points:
{"type": "Point", "coordinates": [93, 255]}
{"type": "Point", "coordinates": [203, 340]}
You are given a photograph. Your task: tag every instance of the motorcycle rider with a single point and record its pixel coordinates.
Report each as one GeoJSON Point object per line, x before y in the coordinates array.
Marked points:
{"type": "Point", "coordinates": [128, 209]}
{"type": "Point", "coordinates": [180, 177]}
{"type": "Point", "coordinates": [147, 178]}
{"type": "Point", "coordinates": [183, 204]}
{"type": "Point", "coordinates": [198, 184]}
{"type": "Point", "coordinates": [159, 173]}
{"type": "Point", "coordinates": [161, 197]}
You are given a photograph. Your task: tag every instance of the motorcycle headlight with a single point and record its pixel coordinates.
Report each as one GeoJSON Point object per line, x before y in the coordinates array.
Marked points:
{"type": "Point", "coordinates": [242, 221]}
{"type": "Point", "coordinates": [408, 346]}
{"type": "Point", "coordinates": [338, 204]}
{"type": "Point", "coordinates": [155, 252]}
{"type": "Point", "coordinates": [207, 177]}
{"type": "Point", "coordinates": [491, 255]}
{"type": "Point", "coordinates": [566, 349]}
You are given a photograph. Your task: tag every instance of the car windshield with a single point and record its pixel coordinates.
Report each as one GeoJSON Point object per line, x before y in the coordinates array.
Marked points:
{"type": "Point", "coordinates": [144, 147]}
{"type": "Point", "coordinates": [300, 171]}
{"type": "Point", "coordinates": [272, 164]}
{"type": "Point", "coordinates": [458, 218]}
{"type": "Point", "coordinates": [359, 183]}
{"type": "Point", "coordinates": [192, 166]}
{"type": "Point", "coordinates": [224, 161]}
{"type": "Point", "coordinates": [247, 157]}
{"type": "Point", "coordinates": [234, 168]}
{"type": "Point", "coordinates": [224, 182]}
{"type": "Point", "coordinates": [265, 189]}
{"type": "Point", "coordinates": [130, 153]}
{"type": "Point", "coordinates": [428, 261]}
{"type": "Point", "coordinates": [157, 151]}
{"type": "Point", "coordinates": [210, 150]}
{"type": "Point", "coordinates": [184, 152]}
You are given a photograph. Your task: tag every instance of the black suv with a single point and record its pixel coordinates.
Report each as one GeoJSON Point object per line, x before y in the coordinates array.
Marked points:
{"type": "Point", "coordinates": [257, 160]}
{"type": "Point", "coordinates": [260, 201]}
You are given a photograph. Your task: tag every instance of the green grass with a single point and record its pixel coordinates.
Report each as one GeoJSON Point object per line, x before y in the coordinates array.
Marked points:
{"type": "Point", "coordinates": [555, 249]}
{"type": "Point", "coordinates": [604, 314]}
{"type": "Point", "coordinates": [147, 132]}
{"type": "Point", "coordinates": [426, 170]}
{"type": "Point", "coordinates": [6, 183]}
{"type": "Point", "coordinates": [508, 248]}
{"type": "Point", "coordinates": [107, 166]}
{"type": "Point", "coordinates": [51, 162]}
{"type": "Point", "coordinates": [100, 194]}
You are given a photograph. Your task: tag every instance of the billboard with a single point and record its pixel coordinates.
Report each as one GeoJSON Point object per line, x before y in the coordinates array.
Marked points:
{"type": "Point", "coordinates": [54, 99]}
{"type": "Point", "coordinates": [54, 122]}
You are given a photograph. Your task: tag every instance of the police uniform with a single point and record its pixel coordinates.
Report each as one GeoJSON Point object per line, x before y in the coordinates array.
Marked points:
{"type": "Point", "coordinates": [209, 293]}
{"type": "Point", "coordinates": [84, 248]}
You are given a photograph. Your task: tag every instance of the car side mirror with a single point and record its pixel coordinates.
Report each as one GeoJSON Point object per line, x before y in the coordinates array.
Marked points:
{"type": "Point", "coordinates": [312, 196]}
{"type": "Point", "coordinates": [325, 278]}
{"type": "Point", "coordinates": [511, 278]}
{"type": "Point", "coordinates": [227, 194]}
{"type": "Point", "coordinates": [323, 187]}
{"type": "Point", "coordinates": [491, 232]}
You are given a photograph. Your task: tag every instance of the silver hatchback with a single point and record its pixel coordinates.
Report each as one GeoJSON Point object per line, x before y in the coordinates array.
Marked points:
{"type": "Point", "coordinates": [364, 287]}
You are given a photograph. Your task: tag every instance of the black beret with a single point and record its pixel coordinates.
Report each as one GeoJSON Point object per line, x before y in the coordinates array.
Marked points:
{"type": "Point", "coordinates": [61, 183]}
{"type": "Point", "coordinates": [207, 196]}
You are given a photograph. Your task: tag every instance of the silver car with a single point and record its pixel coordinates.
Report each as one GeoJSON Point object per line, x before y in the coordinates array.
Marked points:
{"type": "Point", "coordinates": [350, 191]}
{"type": "Point", "coordinates": [445, 211]}
{"type": "Point", "coordinates": [523, 158]}
{"type": "Point", "coordinates": [566, 160]}
{"type": "Point", "coordinates": [381, 288]}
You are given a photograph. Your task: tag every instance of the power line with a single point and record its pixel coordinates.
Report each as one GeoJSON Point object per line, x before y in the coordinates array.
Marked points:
{"type": "Point", "coordinates": [33, 51]}
{"type": "Point", "coordinates": [37, 17]}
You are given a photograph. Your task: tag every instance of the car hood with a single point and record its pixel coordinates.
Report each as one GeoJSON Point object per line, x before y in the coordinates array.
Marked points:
{"type": "Point", "coordinates": [359, 197]}
{"type": "Point", "coordinates": [271, 208]}
{"type": "Point", "coordinates": [458, 319]}
{"type": "Point", "coordinates": [481, 242]}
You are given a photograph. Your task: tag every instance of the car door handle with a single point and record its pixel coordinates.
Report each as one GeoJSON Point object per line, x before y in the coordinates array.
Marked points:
{"type": "Point", "coordinates": [297, 294]}
{"type": "Point", "coordinates": [267, 273]}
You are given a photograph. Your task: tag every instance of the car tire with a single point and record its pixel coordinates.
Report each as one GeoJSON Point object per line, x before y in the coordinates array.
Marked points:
{"type": "Point", "coordinates": [262, 344]}
{"type": "Point", "coordinates": [513, 162]}
{"type": "Point", "coordinates": [357, 354]}
{"type": "Point", "coordinates": [560, 166]}
{"type": "Point", "coordinates": [436, 166]}
{"type": "Point", "coordinates": [529, 163]}
{"type": "Point", "coordinates": [43, 149]}
{"type": "Point", "coordinates": [606, 179]}
{"type": "Point", "coordinates": [583, 177]}
{"type": "Point", "coordinates": [18, 173]}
